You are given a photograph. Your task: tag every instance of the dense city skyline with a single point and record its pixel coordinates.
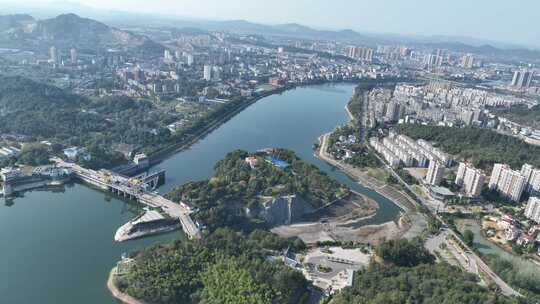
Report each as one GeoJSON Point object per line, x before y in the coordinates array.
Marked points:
{"type": "Point", "coordinates": [481, 19]}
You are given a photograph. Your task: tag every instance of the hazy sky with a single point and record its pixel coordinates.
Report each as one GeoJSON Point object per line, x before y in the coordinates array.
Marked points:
{"type": "Point", "coordinates": [503, 20]}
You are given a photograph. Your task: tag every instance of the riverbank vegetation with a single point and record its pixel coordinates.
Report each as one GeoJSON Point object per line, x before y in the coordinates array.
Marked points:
{"type": "Point", "coordinates": [408, 274]}
{"type": "Point", "coordinates": [481, 146]}
{"type": "Point", "coordinates": [222, 200]}
{"type": "Point", "coordinates": [224, 267]}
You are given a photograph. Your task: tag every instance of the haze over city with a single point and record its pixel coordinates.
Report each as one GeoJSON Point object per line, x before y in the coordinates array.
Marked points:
{"type": "Point", "coordinates": [269, 152]}
{"type": "Point", "coordinates": [498, 20]}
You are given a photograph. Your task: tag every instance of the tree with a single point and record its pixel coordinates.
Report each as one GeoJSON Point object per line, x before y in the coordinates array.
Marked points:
{"type": "Point", "coordinates": [468, 237]}
{"type": "Point", "coordinates": [433, 225]}
{"type": "Point", "coordinates": [404, 253]}
{"type": "Point", "coordinates": [227, 282]}
{"type": "Point", "coordinates": [224, 267]}
{"type": "Point", "coordinates": [426, 283]}
{"type": "Point", "coordinates": [34, 155]}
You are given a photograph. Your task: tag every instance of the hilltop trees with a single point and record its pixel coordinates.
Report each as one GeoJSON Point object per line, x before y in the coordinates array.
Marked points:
{"type": "Point", "coordinates": [409, 275]}
{"type": "Point", "coordinates": [225, 267]}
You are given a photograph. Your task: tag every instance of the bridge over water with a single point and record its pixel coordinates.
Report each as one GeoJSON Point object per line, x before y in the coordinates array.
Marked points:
{"type": "Point", "coordinates": [134, 189]}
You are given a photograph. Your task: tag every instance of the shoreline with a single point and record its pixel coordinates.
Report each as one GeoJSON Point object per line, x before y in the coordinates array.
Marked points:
{"type": "Point", "coordinates": [407, 226]}
{"type": "Point", "coordinates": [367, 184]}
{"type": "Point", "coordinates": [175, 148]}
{"type": "Point", "coordinates": [117, 294]}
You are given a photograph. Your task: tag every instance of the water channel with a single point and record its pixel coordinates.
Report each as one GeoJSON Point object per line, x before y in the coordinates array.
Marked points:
{"type": "Point", "coordinates": [57, 246]}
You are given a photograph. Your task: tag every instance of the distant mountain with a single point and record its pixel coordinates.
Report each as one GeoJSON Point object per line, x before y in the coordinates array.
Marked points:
{"type": "Point", "coordinates": [70, 30]}
{"type": "Point", "coordinates": [477, 46]}
{"type": "Point", "coordinates": [514, 55]}
{"type": "Point", "coordinates": [8, 22]}
{"type": "Point", "coordinates": [285, 30]}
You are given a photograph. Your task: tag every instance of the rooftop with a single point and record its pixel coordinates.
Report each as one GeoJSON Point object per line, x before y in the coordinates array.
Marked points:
{"type": "Point", "coordinates": [278, 162]}
{"type": "Point", "coordinates": [442, 191]}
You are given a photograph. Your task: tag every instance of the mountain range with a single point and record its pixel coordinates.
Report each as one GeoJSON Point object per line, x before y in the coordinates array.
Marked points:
{"type": "Point", "coordinates": [66, 31]}
{"type": "Point", "coordinates": [70, 30]}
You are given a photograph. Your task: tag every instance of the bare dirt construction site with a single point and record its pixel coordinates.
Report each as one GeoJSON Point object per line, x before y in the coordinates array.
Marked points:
{"type": "Point", "coordinates": [342, 221]}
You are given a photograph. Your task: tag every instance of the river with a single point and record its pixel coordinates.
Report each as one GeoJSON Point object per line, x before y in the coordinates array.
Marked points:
{"type": "Point", "coordinates": [57, 246]}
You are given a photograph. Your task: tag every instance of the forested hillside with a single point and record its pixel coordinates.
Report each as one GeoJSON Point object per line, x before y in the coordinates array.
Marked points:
{"type": "Point", "coordinates": [222, 199]}
{"type": "Point", "coordinates": [44, 112]}
{"type": "Point", "coordinates": [407, 274]}
{"type": "Point", "coordinates": [225, 267]}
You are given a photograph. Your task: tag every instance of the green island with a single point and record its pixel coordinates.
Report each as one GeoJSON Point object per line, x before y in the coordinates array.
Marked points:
{"type": "Point", "coordinates": [238, 185]}
{"type": "Point", "coordinates": [481, 146]}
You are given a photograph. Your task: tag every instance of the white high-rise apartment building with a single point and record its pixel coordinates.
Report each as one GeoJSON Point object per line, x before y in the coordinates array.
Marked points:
{"type": "Point", "coordinates": [388, 155]}
{"type": "Point", "coordinates": [207, 73]}
{"type": "Point", "coordinates": [73, 55]}
{"type": "Point", "coordinates": [508, 182]}
{"type": "Point", "coordinates": [460, 176]}
{"type": "Point", "coordinates": [53, 54]}
{"type": "Point", "coordinates": [471, 179]}
{"type": "Point", "coordinates": [435, 173]}
{"type": "Point", "coordinates": [532, 211]}
{"type": "Point", "coordinates": [189, 59]}
{"type": "Point", "coordinates": [532, 175]}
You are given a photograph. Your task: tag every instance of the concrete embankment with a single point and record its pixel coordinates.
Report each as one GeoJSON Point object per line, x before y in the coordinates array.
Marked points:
{"type": "Point", "coordinates": [410, 222]}
{"type": "Point", "coordinates": [396, 196]}
{"type": "Point", "coordinates": [125, 233]}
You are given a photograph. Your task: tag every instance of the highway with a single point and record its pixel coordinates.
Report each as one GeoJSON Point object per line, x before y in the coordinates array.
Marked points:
{"type": "Point", "coordinates": [110, 181]}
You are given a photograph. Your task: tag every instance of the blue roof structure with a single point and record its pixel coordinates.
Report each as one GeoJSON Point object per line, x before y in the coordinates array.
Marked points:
{"type": "Point", "coordinates": [278, 162]}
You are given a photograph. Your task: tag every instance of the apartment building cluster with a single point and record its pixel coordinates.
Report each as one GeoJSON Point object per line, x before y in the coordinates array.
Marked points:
{"type": "Point", "coordinates": [400, 150]}
{"type": "Point", "coordinates": [512, 183]}
{"type": "Point", "coordinates": [361, 53]}
{"type": "Point", "coordinates": [522, 79]}
{"type": "Point", "coordinates": [471, 180]}
{"type": "Point", "coordinates": [443, 103]}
